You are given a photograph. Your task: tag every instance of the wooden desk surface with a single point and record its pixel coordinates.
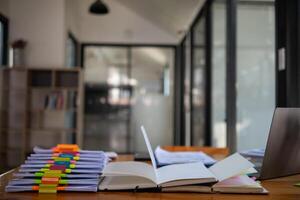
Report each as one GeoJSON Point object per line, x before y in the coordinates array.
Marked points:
{"type": "Point", "coordinates": [281, 188]}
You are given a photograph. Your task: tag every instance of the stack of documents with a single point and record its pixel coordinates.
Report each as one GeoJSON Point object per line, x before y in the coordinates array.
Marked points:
{"type": "Point", "coordinates": [164, 157]}
{"type": "Point", "coordinates": [62, 168]}
{"type": "Point", "coordinates": [259, 153]}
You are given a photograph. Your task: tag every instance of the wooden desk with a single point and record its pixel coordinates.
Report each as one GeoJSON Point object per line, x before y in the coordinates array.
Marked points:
{"type": "Point", "coordinates": [281, 188]}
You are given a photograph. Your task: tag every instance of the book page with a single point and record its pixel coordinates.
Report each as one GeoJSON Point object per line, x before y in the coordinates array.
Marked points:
{"type": "Point", "coordinates": [185, 171]}
{"type": "Point", "coordinates": [238, 181]}
{"type": "Point", "coordinates": [149, 148]}
{"type": "Point", "coordinates": [130, 168]}
{"type": "Point", "coordinates": [125, 183]}
{"type": "Point", "coordinates": [230, 166]}
{"type": "Point", "coordinates": [177, 172]}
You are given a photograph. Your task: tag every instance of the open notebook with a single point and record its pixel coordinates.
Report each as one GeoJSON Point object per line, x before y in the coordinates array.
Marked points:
{"type": "Point", "coordinates": [140, 175]}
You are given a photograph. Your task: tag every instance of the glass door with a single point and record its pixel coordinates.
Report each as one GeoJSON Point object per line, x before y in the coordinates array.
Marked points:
{"type": "Point", "coordinates": [127, 87]}
{"type": "Point", "coordinates": [255, 72]}
{"type": "Point", "coordinates": [152, 70]}
{"type": "Point", "coordinates": [107, 98]}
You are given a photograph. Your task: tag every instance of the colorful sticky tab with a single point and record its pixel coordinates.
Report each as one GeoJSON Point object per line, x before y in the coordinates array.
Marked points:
{"type": "Point", "coordinates": [64, 159]}
{"type": "Point", "coordinates": [66, 148]}
{"type": "Point", "coordinates": [47, 188]}
{"type": "Point", "coordinates": [58, 167]}
{"type": "Point", "coordinates": [61, 159]}
{"type": "Point", "coordinates": [72, 166]}
{"type": "Point", "coordinates": [50, 180]}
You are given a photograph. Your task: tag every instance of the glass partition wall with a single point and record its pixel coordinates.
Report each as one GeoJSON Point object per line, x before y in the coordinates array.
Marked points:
{"type": "Point", "coordinates": [206, 68]}
{"type": "Point", "coordinates": [198, 82]}
{"type": "Point", "coordinates": [187, 89]}
{"type": "Point", "coordinates": [218, 116]}
{"type": "Point", "coordinates": [255, 72]}
{"type": "Point", "coordinates": [126, 87]}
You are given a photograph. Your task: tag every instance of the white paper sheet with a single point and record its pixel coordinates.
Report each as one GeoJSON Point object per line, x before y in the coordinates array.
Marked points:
{"type": "Point", "coordinates": [166, 157]}
{"type": "Point", "coordinates": [130, 168]}
{"type": "Point", "coordinates": [185, 171]}
{"type": "Point", "coordinates": [149, 148]}
{"type": "Point", "coordinates": [230, 166]}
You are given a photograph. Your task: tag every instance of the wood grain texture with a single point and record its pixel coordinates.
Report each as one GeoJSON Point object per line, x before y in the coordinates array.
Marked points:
{"type": "Point", "coordinates": [279, 189]}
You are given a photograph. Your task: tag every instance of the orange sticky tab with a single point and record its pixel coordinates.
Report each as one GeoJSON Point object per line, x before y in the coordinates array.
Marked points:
{"type": "Point", "coordinates": [66, 148]}
{"type": "Point", "coordinates": [35, 187]}
{"type": "Point", "coordinates": [60, 188]}
{"type": "Point", "coordinates": [50, 180]}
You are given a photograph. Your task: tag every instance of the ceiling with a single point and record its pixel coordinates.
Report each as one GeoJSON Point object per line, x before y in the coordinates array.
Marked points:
{"type": "Point", "coordinates": [171, 17]}
{"type": "Point", "coordinates": [174, 16]}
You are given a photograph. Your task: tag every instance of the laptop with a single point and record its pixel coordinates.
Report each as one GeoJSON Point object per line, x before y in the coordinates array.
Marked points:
{"type": "Point", "coordinates": [282, 155]}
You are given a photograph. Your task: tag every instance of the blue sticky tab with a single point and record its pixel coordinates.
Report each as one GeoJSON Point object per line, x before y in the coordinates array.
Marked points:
{"type": "Point", "coordinates": [64, 155]}
{"type": "Point", "coordinates": [65, 163]}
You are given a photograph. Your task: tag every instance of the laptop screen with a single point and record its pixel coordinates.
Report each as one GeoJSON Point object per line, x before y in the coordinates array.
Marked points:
{"type": "Point", "coordinates": [282, 156]}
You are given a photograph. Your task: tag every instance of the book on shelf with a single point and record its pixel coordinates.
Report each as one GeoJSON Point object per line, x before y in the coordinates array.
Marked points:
{"type": "Point", "coordinates": [193, 177]}
{"type": "Point", "coordinates": [63, 100]}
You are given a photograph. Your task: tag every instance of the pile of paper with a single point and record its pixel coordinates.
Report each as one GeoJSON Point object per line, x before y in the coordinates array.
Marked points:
{"type": "Point", "coordinates": [62, 168]}
{"type": "Point", "coordinates": [164, 157]}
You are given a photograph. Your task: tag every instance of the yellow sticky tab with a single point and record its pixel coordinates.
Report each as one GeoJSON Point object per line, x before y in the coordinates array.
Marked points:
{"type": "Point", "coordinates": [52, 191]}
{"type": "Point", "coordinates": [47, 165]}
{"type": "Point", "coordinates": [53, 172]}
{"type": "Point", "coordinates": [47, 188]}
{"type": "Point", "coordinates": [44, 169]}
{"type": "Point", "coordinates": [68, 171]}
{"type": "Point", "coordinates": [72, 166]}
{"type": "Point", "coordinates": [76, 158]}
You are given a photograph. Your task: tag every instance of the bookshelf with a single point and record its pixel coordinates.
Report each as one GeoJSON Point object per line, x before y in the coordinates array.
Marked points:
{"type": "Point", "coordinates": [39, 106]}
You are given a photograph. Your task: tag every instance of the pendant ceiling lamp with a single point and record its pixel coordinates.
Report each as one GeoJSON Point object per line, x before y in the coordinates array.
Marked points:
{"type": "Point", "coordinates": [99, 8]}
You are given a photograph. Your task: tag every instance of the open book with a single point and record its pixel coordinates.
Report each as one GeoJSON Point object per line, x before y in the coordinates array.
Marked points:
{"type": "Point", "coordinates": [140, 175]}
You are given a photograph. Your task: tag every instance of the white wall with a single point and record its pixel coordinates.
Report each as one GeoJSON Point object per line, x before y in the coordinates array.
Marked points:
{"type": "Point", "coordinates": [44, 24]}
{"type": "Point", "coordinates": [121, 25]}
{"type": "Point", "coordinates": [4, 8]}
{"type": "Point", "coordinates": [41, 23]}
{"type": "Point", "coordinates": [72, 16]}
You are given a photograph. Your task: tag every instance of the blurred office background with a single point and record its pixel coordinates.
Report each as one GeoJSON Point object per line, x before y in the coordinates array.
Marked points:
{"type": "Point", "coordinates": [193, 72]}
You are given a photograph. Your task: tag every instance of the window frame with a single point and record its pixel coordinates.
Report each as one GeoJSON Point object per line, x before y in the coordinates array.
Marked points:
{"type": "Point", "coordinates": [4, 20]}
{"type": "Point", "coordinates": [76, 48]}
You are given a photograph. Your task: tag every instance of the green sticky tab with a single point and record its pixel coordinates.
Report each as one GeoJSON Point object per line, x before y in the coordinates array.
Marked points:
{"type": "Point", "coordinates": [37, 181]}
{"type": "Point", "coordinates": [47, 191]}
{"type": "Point", "coordinates": [297, 184]}
{"type": "Point", "coordinates": [64, 182]}
{"type": "Point", "coordinates": [38, 174]}
{"type": "Point", "coordinates": [61, 159]}
{"type": "Point", "coordinates": [63, 175]}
